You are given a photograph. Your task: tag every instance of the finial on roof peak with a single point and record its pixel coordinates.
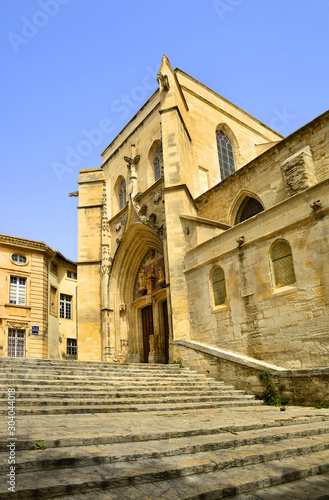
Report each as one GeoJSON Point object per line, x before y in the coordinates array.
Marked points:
{"type": "Point", "coordinates": [165, 58]}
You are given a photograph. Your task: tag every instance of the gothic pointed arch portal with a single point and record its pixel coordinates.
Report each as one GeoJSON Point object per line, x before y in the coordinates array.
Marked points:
{"type": "Point", "coordinates": [139, 299]}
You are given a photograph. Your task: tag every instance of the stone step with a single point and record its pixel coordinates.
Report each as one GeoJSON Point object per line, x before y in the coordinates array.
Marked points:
{"type": "Point", "coordinates": [36, 362]}
{"type": "Point", "coordinates": [87, 455]}
{"type": "Point", "coordinates": [147, 374]}
{"type": "Point", "coordinates": [222, 473]}
{"type": "Point", "coordinates": [309, 488]}
{"type": "Point", "coordinates": [116, 376]}
{"type": "Point", "coordinates": [146, 407]}
{"type": "Point", "coordinates": [91, 389]}
{"type": "Point", "coordinates": [68, 393]}
{"type": "Point", "coordinates": [84, 399]}
{"type": "Point", "coordinates": [63, 439]}
{"type": "Point", "coordinates": [17, 383]}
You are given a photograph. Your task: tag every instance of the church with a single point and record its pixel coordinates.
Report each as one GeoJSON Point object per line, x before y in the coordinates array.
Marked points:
{"type": "Point", "coordinates": [203, 238]}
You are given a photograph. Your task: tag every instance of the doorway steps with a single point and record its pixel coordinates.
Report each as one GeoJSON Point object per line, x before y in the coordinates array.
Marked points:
{"type": "Point", "coordinates": [235, 448]}
{"type": "Point", "coordinates": [58, 387]}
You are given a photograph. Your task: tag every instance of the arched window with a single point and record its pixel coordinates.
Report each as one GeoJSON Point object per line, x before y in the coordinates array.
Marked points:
{"type": "Point", "coordinates": [218, 286]}
{"type": "Point", "coordinates": [122, 195]}
{"type": "Point", "coordinates": [157, 163]}
{"type": "Point", "coordinates": [283, 265]}
{"type": "Point", "coordinates": [248, 208]}
{"type": "Point", "coordinates": [225, 154]}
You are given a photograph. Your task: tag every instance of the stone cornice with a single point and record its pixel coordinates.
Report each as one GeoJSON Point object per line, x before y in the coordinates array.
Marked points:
{"type": "Point", "coordinates": [21, 242]}
{"type": "Point", "coordinates": [208, 222]}
{"type": "Point", "coordinates": [241, 359]}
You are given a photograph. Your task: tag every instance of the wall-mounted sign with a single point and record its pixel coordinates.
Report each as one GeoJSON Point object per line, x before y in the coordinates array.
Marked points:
{"type": "Point", "coordinates": [35, 330]}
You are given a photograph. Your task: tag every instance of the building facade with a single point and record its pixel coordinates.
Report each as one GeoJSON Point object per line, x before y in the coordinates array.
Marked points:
{"type": "Point", "coordinates": [38, 289]}
{"type": "Point", "coordinates": [204, 226]}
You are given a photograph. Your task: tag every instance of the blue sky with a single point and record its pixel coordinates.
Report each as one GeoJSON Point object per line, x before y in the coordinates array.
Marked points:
{"type": "Point", "coordinates": [70, 67]}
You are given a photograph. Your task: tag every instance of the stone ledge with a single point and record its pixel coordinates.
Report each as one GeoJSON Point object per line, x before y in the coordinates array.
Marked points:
{"type": "Point", "coordinates": [250, 362]}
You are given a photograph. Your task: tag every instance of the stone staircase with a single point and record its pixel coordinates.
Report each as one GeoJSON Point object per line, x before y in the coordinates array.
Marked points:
{"type": "Point", "coordinates": [151, 431]}
{"type": "Point", "coordinates": [58, 387]}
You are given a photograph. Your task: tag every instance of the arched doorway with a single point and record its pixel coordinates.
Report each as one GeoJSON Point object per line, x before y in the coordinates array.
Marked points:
{"type": "Point", "coordinates": [139, 325]}
{"type": "Point", "coordinates": [148, 331]}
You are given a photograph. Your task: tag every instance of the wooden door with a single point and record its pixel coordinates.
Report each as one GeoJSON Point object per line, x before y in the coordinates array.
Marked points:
{"type": "Point", "coordinates": [147, 321]}
{"type": "Point", "coordinates": [166, 330]}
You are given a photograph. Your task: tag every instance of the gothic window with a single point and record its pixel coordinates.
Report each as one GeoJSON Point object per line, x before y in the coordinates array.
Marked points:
{"type": "Point", "coordinates": [157, 163]}
{"type": "Point", "coordinates": [225, 154]}
{"type": "Point", "coordinates": [283, 265]}
{"type": "Point", "coordinates": [218, 286]}
{"type": "Point", "coordinates": [249, 207]}
{"type": "Point", "coordinates": [122, 195]}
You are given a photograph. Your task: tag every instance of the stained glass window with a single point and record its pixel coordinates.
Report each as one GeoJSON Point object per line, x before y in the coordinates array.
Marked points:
{"type": "Point", "coordinates": [158, 163]}
{"type": "Point", "coordinates": [283, 265]}
{"type": "Point", "coordinates": [122, 195]}
{"type": "Point", "coordinates": [225, 154]}
{"type": "Point", "coordinates": [218, 285]}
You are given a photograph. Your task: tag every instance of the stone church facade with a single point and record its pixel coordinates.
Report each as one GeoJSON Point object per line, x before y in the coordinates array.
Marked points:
{"type": "Point", "coordinates": [205, 232]}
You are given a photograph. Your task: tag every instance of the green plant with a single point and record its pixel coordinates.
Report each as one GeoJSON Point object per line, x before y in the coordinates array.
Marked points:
{"type": "Point", "coordinates": [40, 446]}
{"type": "Point", "coordinates": [270, 395]}
{"type": "Point", "coordinates": [322, 404]}
{"type": "Point", "coordinates": [118, 395]}
{"type": "Point", "coordinates": [177, 362]}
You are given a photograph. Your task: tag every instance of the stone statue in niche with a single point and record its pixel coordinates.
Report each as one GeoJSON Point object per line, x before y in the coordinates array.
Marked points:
{"type": "Point", "coordinates": [142, 282]}
{"type": "Point", "coordinates": [157, 197]}
{"type": "Point", "coordinates": [143, 209]}
{"type": "Point", "coordinates": [152, 219]}
{"type": "Point", "coordinates": [119, 226]}
{"type": "Point", "coordinates": [151, 281]}
{"type": "Point", "coordinates": [162, 279]}
{"type": "Point", "coordinates": [152, 253]}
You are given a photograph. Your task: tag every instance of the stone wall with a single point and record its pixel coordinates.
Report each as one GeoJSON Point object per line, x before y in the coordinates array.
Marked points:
{"type": "Point", "coordinates": [299, 387]}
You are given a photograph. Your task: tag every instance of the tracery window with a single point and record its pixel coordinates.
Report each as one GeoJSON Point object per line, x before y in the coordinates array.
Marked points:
{"type": "Point", "coordinates": [122, 195]}
{"type": "Point", "coordinates": [157, 163]}
{"type": "Point", "coordinates": [283, 265]}
{"type": "Point", "coordinates": [225, 154]}
{"type": "Point", "coordinates": [218, 286]}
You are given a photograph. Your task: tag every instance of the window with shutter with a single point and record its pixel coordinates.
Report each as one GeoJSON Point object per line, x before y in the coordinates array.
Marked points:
{"type": "Point", "coordinates": [17, 290]}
